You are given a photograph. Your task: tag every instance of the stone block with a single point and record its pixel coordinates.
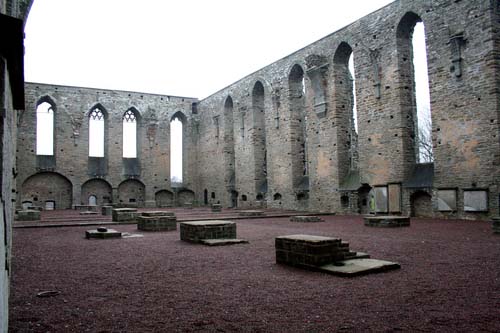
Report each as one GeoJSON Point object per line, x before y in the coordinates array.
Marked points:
{"type": "Point", "coordinates": [251, 213]}
{"type": "Point", "coordinates": [157, 223]}
{"type": "Point", "coordinates": [158, 213]}
{"type": "Point", "coordinates": [387, 221]}
{"type": "Point", "coordinates": [102, 233]}
{"type": "Point", "coordinates": [216, 208]}
{"type": "Point", "coordinates": [188, 205]}
{"type": "Point", "coordinates": [124, 215]}
{"type": "Point", "coordinates": [88, 212]}
{"type": "Point", "coordinates": [200, 230]}
{"type": "Point", "coordinates": [306, 219]}
{"type": "Point", "coordinates": [106, 210]}
{"type": "Point", "coordinates": [495, 222]}
{"type": "Point", "coordinates": [28, 215]}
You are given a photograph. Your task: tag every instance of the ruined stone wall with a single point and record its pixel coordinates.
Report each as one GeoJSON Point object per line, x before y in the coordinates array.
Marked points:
{"type": "Point", "coordinates": [462, 41]}
{"type": "Point", "coordinates": [72, 105]}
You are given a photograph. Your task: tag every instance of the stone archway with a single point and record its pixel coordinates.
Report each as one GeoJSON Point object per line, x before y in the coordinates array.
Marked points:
{"type": "Point", "coordinates": [185, 196]}
{"type": "Point", "coordinates": [99, 188]}
{"type": "Point", "coordinates": [48, 189]}
{"type": "Point", "coordinates": [421, 204]}
{"type": "Point", "coordinates": [164, 198]}
{"type": "Point", "coordinates": [132, 192]}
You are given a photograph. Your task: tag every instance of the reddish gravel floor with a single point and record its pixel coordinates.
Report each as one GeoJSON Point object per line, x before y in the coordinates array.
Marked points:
{"type": "Point", "coordinates": [449, 281]}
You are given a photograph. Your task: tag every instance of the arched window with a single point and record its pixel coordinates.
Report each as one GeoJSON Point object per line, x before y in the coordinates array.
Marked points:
{"type": "Point", "coordinates": [229, 155]}
{"type": "Point", "coordinates": [96, 132]}
{"type": "Point", "coordinates": [130, 134]}
{"type": "Point", "coordinates": [45, 129]}
{"type": "Point", "coordinates": [176, 150]}
{"type": "Point", "coordinates": [298, 118]}
{"type": "Point", "coordinates": [414, 90]}
{"type": "Point", "coordinates": [259, 138]}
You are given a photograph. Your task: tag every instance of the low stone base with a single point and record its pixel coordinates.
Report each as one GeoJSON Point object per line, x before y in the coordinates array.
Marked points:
{"type": "Point", "coordinates": [216, 208]}
{"type": "Point", "coordinates": [495, 221]}
{"type": "Point", "coordinates": [125, 215]}
{"type": "Point", "coordinates": [158, 213]}
{"type": "Point", "coordinates": [387, 221]}
{"type": "Point", "coordinates": [188, 205]}
{"type": "Point", "coordinates": [306, 219]}
{"type": "Point", "coordinates": [92, 208]}
{"type": "Point", "coordinates": [88, 212]}
{"type": "Point", "coordinates": [220, 242]}
{"type": "Point", "coordinates": [157, 223]}
{"type": "Point", "coordinates": [251, 213]}
{"type": "Point", "coordinates": [311, 251]}
{"type": "Point", "coordinates": [202, 230]}
{"type": "Point", "coordinates": [106, 210]}
{"type": "Point", "coordinates": [28, 215]}
{"type": "Point", "coordinates": [102, 233]}
{"type": "Point", "coordinates": [355, 267]}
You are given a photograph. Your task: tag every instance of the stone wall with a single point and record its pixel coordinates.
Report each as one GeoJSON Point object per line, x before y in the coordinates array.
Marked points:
{"type": "Point", "coordinates": [462, 41]}
{"type": "Point", "coordinates": [134, 181]}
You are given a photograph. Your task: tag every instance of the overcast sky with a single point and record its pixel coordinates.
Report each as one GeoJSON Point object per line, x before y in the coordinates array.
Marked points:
{"type": "Point", "coordinates": [185, 48]}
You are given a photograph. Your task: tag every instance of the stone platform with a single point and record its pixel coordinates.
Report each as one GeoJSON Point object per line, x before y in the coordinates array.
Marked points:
{"type": "Point", "coordinates": [28, 215]}
{"type": "Point", "coordinates": [390, 221]}
{"type": "Point", "coordinates": [124, 215]}
{"type": "Point", "coordinates": [495, 222]}
{"type": "Point", "coordinates": [302, 218]}
{"type": "Point", "coordinates": [251, 213]}
{"type": "Point", "coordinates": [216, 208]}
{"type": "Point", "coordinates": [157, 221]}
{"type": "Point", "coordinates": [326, 254]}
{"type": "Point", "coordinates": [102, 233]}
{"type": "Point", "coordinates": [197, 231]}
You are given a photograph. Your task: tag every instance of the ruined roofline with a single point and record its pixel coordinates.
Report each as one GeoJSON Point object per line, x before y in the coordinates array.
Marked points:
{"type": "Point", "coordinates": [303, 48]}
{"type": "Point", "coordinates": [194, 99]}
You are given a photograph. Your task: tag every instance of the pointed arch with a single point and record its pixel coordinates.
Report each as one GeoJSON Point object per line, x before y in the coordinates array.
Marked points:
{"type": "Point", "coordinates": [98, 119]}
{"type": "Point", "coordinates": [45, 126]}
{"type": "Point", "coordinates": [178, 123]}
{"type": "Point", "coordinates": [259, 137]}
{"type": "Point", "coordinates": [130, 120]}
{"type": "Point", "coordinates": [229, 153]}
{"type": "Point", "coordinates": [298, 136]}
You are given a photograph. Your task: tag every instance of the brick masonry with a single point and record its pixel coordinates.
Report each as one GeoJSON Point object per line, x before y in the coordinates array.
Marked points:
{"type": "Point", "coordinates": [198, 230]}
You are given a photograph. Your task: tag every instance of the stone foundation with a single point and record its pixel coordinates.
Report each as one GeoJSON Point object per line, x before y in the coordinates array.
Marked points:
{"type": "Point", "coordinates": [154, 221]}
{"type": "Point", "coordinates": [102, 233]}
{"type": "Point", "coordinates": [199, 230]}
{"type": "Point", "coordinates": [85, 208]}
{"type": "Point", "coordinates": [496, 225]}
{"type": "Point", "coordinates": [216, 208]}
{"type": "Point", "coordinates": [311, 251]}
{"type": "Point", "coordinates": [106, 210]}
{"type": "Point", "coordinates": [387, 221]}
{"type": "Point", "coordinates": [28, 215]}
{"type": "Point", "coordinates": [306, 219]}
{"type": "Point", "coordinates": [251, 213]}
{"type": "Point", "coordinates": [125, 215]}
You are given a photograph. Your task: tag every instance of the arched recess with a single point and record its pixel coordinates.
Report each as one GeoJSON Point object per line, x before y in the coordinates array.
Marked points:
{"type": "Point", "coordinates": [48, 187]}
{"type": "Point", "coordinates": [164, 198]}
{"type": "Point", "coordinates": [178, 156]}
{"type": "Point", "coordinates": [298, 135]}
{"type": "Point", "coordinates": [98, 137]}
{"type": "Point", "coordinates": [421, 204]}
{"type": "Point", "coordinates": [185, 196]}
{"type": "Point", "coordinates": [409, 81]}
{"type": "Point", "coordinates": [229, 154]}
{"type": "Point", "coordinates": [132, 191]}
{"type": "Point", "coordinates": [345, 98]}
{"type": "Point", "coordinates": [99, 188]}
{"type": "Point", "coordinates": [259, 138]}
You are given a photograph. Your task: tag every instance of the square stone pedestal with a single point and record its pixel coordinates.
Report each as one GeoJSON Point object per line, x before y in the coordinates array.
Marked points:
{"type": "Point", "coordinates": [28, 215]}
{"type": "Point", "coordinates": [216, 208]}
{"type": "Point", "coordinates": [102, 233]}
{"type": "Point", "coordinates": [251, 213]}
{"type": "Point", "coordinates": [154, 221]}
{"type": "Point", "coordinates": [106, 210]}
{"type": "Point", "coordinates": [200, 230]}
{"type": "Point", "coordinates": [125, 215]}
{"type": "Point", "coordinates": [392, 221]}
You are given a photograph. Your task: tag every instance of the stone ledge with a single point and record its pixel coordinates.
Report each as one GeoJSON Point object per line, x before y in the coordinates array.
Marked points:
{"type": "Point", "coordinates": [355, 267]}
{"type": "Point", "coordinates": [390, 221]}
{"type": "Point", "coordinates": [306, 219]}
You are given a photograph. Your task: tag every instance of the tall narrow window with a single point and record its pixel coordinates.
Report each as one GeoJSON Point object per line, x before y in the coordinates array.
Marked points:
{"type": "Point", "coordinates": [259, 138]}
{"type": "Point", "coordinates": [45, 129]}
{"type": "Point", "coordinates": [354, 104]}
{"type": "Point", "coordinates": [96, 133]}
{"type": "Point", "coordinates": [176, 155]}
{"type": "Point", "coordinates": [423, 99]}
{"type": "Point", "coordinates": [229, 155]}
{"type": "Point", "coordinates": [129, 134]}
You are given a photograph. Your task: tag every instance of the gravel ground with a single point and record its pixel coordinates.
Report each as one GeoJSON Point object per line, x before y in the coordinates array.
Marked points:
{"type": "Point", "coordinates": [449, 281]}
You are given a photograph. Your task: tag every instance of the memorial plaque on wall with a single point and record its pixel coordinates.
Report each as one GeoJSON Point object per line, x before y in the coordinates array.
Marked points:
{"type": "Point", "coordinates": [394, 198]}
{"type": "Point", "coordinates": [380, 199]}
{"type": "Point", "coordinates": [475, 201]}
{"type": "Point", "coordinates": [447, 200]}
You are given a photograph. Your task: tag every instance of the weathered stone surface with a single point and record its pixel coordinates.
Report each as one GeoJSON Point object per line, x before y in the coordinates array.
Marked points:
{"type": "Point", "coordinates": [109, 233]}
{"type": "Point", "coordinates": [495, 223]}
{"type": "Point", "coordinates": [157, 223]}
{"type": "Point", "coordinates": [251, 213]}
{"type": "Point", "coordinates": [28, 215]}
{"type": "Point", "coordinates": [106, 210]}
{"type": "Point", "coordinates": [222, 241]}
{"type": "Point", "coordinates": [300, 218]}
{"type": "Point", "coordinates": [85, 208]}
{"type": "Point", "coordinates": [200, 230]}
{"type": "Point", "coordinates": [387, 221]}
{"type": "Point", "coordinates": [124, 215]}
{"type": "Point", "coordinates": [216, 208]}
{"type": "Point", "coordinates": [158, 213]}
{"type": "Point", "coordinates": [88, 212]}
{"type": "Point", "coordinates": [355, 267]}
